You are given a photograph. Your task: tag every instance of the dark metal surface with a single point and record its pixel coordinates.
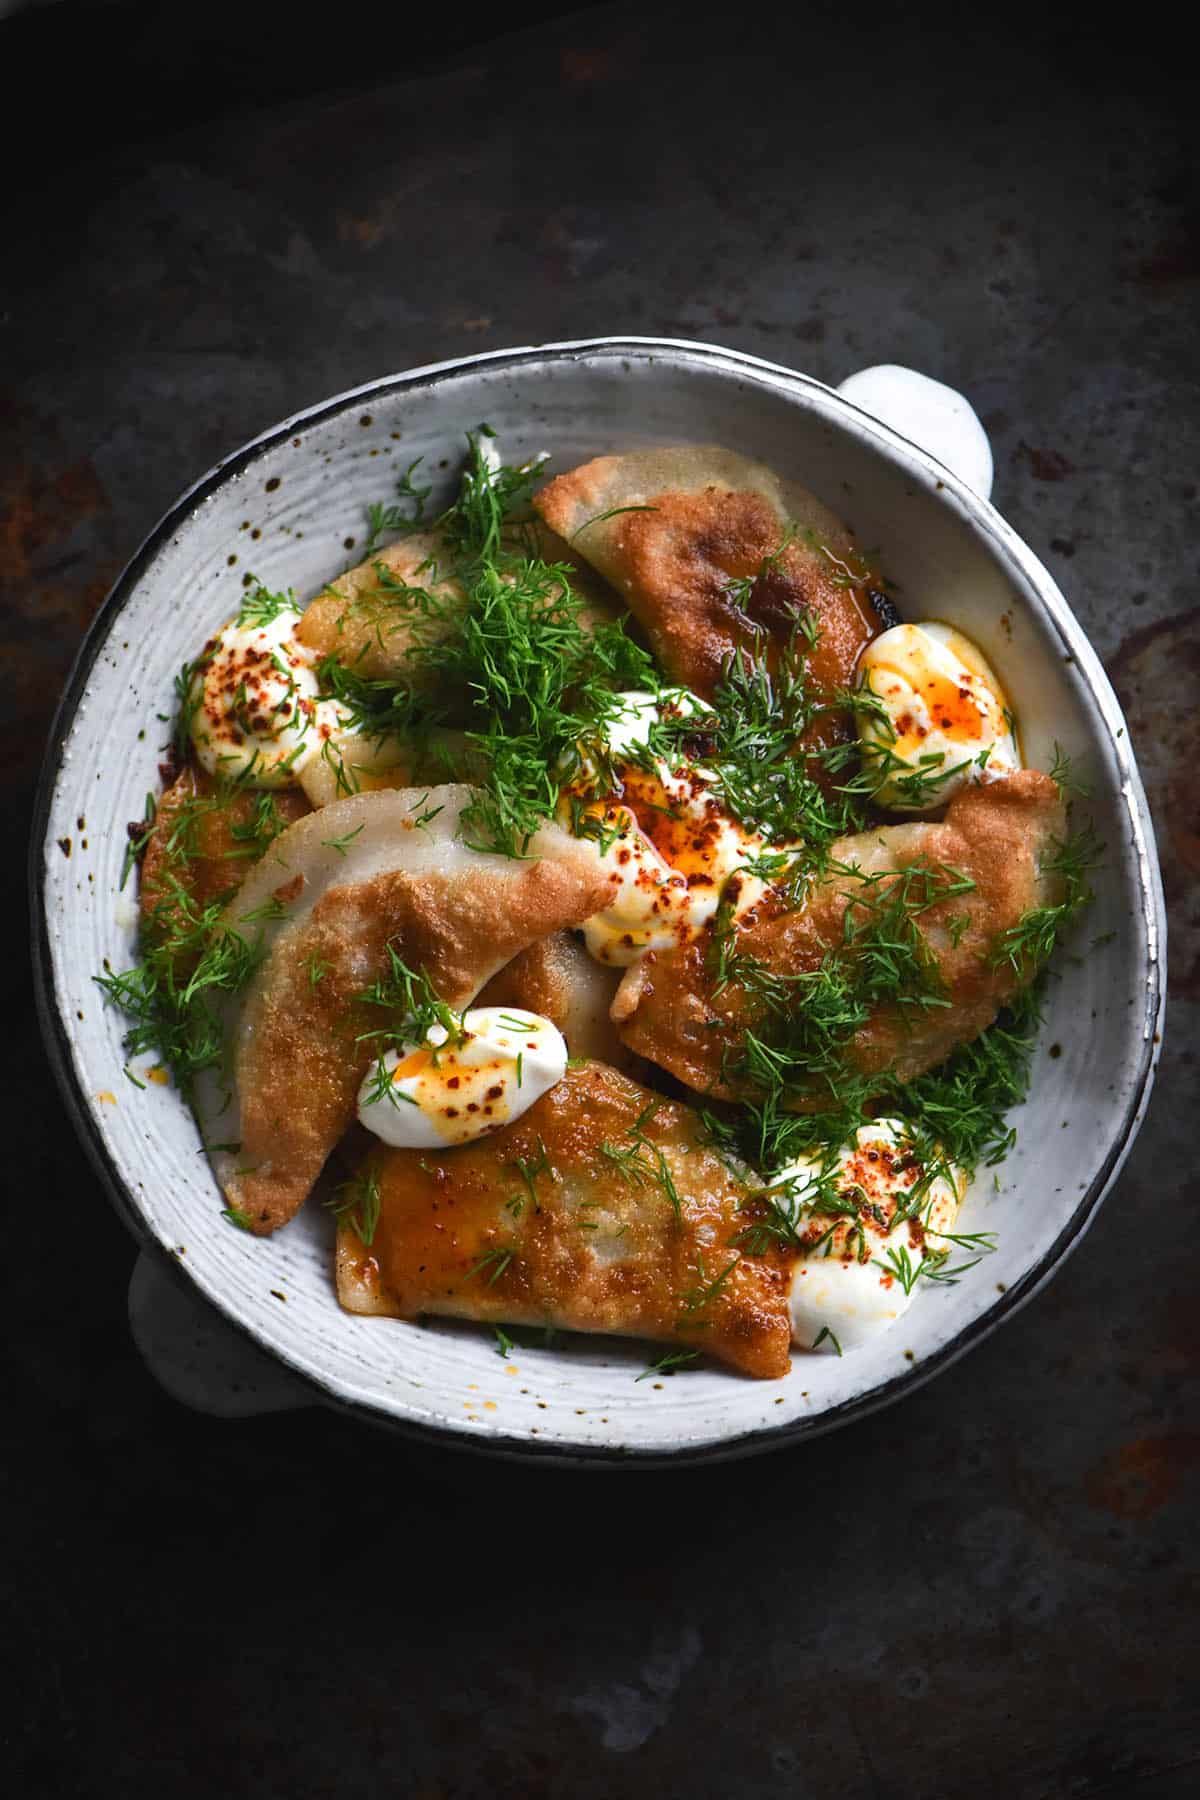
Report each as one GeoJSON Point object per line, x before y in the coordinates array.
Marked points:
{"type": "Point", "coordinates": [52, 1004]}
{"type": "Point", "coordinates": [989, 1589]}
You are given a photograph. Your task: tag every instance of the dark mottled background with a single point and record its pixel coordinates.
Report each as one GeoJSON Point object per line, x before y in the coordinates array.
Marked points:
{"type": "Point", "coordinates": [211, 221]}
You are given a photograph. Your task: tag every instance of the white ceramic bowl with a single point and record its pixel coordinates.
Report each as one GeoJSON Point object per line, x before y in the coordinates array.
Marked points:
{"type": "Point", "coordinates": [284, 507]}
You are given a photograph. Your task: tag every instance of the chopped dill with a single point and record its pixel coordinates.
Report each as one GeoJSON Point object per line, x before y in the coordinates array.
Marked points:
{"type": "Point", "coordinates": [496, 1260]}
{"type": "Point", "coordinates": [521, 671]}
{"type": "Point", "coordinates": [670, 1364]}
{"type": "Point", "coordinates": [821, 1337]}
{"type": "Point", "coordinates": [960, 1104]}
{"type": "Point", "coordinates": [412, 1009]}
{"type": "Point", "coordinates": [612, 513]}
{"type": "Point", "coordinates": [1029, 944]}
{"type": "Point", "coordinates": [357, 1202]}
{"type": "Point", "coordinates": [529, 1168]}
{"type": "Point", "coordinates": [138, 837]}
{"type": "Point", "coordinates": [317, 969]}
{"type": "Point", "coordinates": [800, 1025]}
{"type": "Point", "coordinates": [385, 520]}
{"type": "Point", "coordinates": [261, 607]}
{"type": "Point", "coordinates": [172, 997]}
{"type": "Point", "coordinates": [641, 1161]}
{"type": "Point", "coordinates": [697, 1300]}
{"type": "Point", "coordinates": [340, 844]}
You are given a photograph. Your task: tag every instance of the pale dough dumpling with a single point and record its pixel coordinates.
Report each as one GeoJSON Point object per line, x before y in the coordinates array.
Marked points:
{"type": "Point", "coordinates": [371, 617]}
{"type": "Point", "coordinates": [407, 596]}
{"type": "Point", "coordinates": [351, 763]}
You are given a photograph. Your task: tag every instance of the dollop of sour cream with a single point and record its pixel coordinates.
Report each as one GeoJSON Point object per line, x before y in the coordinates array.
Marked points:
{"type": "Point", "coordinates": [257, 710]}
{"type": "Point", "coordinates": [945, 718]}
{"type": "Point", "coordinates": [669, 845]}
{"type": "Point", "coordinates": [858, 1278]}
{"type": "Point", "coordinates": [448, 1091]}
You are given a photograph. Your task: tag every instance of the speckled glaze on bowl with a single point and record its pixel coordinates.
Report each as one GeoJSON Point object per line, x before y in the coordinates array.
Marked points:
{"type": "Point", "coordinates": [285, 507]}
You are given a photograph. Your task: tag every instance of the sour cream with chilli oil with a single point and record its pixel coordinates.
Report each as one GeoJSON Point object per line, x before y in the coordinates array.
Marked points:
{"type": "Point", "coordinates": [859, 1268]}
{"type": "Point", "coordinates": [257, 713]}
{"type": "Point", "coordinates": [667, 841]}
{"type": "Point", "coordinates": [448, 1091]}
{"type": "Point", "coordinates": [940, 718]}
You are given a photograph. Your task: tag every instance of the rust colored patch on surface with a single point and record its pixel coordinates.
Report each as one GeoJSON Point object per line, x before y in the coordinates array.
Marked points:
{"type": "Point", "coordinates": [1153, 667]}
{"type": "Point", "coordinates": [1140, 1477]}
{"type": "Point", "coordinates": [35, 509]}
{"type": "Point", "coordinates": [55, 569]}
{"type": "Point", "coordinates": [1046, 465]}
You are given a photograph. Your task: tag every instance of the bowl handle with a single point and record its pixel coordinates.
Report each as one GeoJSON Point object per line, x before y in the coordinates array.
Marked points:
{"type": "Point", "coordinates": [929, 414]}
{"type": "Point", "coordinates": [199, 1358]}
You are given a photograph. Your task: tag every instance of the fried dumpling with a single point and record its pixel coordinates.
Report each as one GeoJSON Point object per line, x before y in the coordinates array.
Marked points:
{"type": "Point", "coordinates": [207, 835]}
{"type": "Point", "coordinates": [351, 763]}
{"type": "Point", "coordinates": [331, 895]}
{"type": "Point", "coordinates": [406, 596]}
{"type": "Point", "coordinates": [598, 1210]}
{"type": "Point", "coordinates": [373, 616]}
{"type": "Point", "coordinates": [996, 836]}
{"type": "Point", "coordinates": [691, 540]}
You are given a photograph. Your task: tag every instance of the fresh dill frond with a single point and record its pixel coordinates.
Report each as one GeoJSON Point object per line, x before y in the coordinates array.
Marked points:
{"type": "Point", "coordinates": [752, 739]}
{"type": "Point", "coordinates": [317, 969]}
{"type": "Point", "coordinates": [374, 706]}
{"type": "Point", "coordinates": [1028, 945]}
{"type": "Point", "coordinates": [612, 513]}
{"type": "Point", "coordinates": [698, 1299]}
{"type": "Point", "coordinates": [256, 833]}
{"type": "Point", "coordinates": [533, 677]}
{"type": "Point", "coordinates": [412, 1007]}
{"type": "Point", "coordinates": [1062, 774]}
{"type": "Point", "coordinates": [341, 844]}
{"type": "Point", "coordinates": [497, 1260]}
{"type": "Point", "coordinates": [490, 493]}
{"type": "Point", "coordinates": [137, 838]}
{"type": "Point", "coordinates": [641, 1162]}
{"type": "Point", "coordinates": [783, 1209]}
{"type": "Point", "coordinates": [670, 1364]}
{"type": "Point", "coordinates": [740, 588]}
{"type": "Point", "coordinates": [189, 698]}
{"type": "Point", "coordinates": [528, 1168]}
{"type": "Point", "coordinates": [357, 1203]}
{"type": "Point", "coordinates": [261, 607]}
{"type": "Point", "coordinates": [172, 997]}
{"type": "Point", "coordinates": [797, 1028]}
{"type": "Point", "coordinates": [385, 520]}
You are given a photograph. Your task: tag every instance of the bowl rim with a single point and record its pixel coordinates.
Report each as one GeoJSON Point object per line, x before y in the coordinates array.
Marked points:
{"type": "Point", "coordinates": [983, 518]}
